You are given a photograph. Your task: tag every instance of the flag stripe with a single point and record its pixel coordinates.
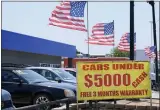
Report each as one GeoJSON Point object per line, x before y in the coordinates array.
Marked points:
{"type": "Point", "coordinates": [100, 43]}
{"type": "Point", "coordinates": [67, 23]}
{"type": "Point", "coordinates": [104, 39]}
{"type": "Point", "coordinates": [62, 17]}
{"type": "Point", "coordinates": [103, 36]}
{"type": "Point", "coordinates": [66, 26]}
{"type": "Point", "coordinates": [73, 26]}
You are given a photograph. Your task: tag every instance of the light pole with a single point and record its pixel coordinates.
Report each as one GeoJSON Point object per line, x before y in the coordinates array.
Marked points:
{"type": "Point", "coordinates": [132, 33]}
{"type": "Point", "coordinates": [159, 47]}
{"type": "Point", "coordinates": [151, 30]}
{"type": "Point", "coordinates": [154, 35]}
{"type": "Point", "coordinates": [131, 30]}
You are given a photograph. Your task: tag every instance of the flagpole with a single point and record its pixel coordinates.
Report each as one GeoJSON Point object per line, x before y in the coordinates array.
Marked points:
{"type": "Point", "coordinates": [159, 53]}
{"type": "Point", "coordinates": [90, 102]}
{"type": "Point", "coordinates": [113, 36]}
{"type": "Point", "coordinates": [88, 30]}
{"type": "Point", "coordinates": [113, 48]}
{"type": "Point", "coordinates": [151, 32]}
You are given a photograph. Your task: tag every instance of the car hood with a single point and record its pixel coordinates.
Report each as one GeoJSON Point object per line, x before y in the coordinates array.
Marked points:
{"type": "Point", "coordinates": [74, 82]}
{"type": "Point", "coordinates": [57, 85]}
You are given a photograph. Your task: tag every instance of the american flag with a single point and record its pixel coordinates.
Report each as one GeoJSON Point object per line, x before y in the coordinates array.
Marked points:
{"type": "Point", "coordinates": [70, 15]}
{"type": "Point", "coordinates": [149, 51]}
{"type": "Point", "coordinates": [102, 34]}
{"type": "Point", "coordinates": [124, 44]}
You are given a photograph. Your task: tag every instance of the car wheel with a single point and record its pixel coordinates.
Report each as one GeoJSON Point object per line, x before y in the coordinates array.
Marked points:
{"type": "Point", "coordinates": [42, 98]}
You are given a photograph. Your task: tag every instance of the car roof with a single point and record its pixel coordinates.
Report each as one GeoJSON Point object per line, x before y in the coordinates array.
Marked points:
{"type": "Point", "coordinates": [71, 69]}
{"type": "Point", "coordinates": [48, 68]}
{"type": "Point", "coordinates": [13, 68]}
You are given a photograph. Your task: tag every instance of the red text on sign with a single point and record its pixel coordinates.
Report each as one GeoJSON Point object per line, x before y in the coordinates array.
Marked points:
{"type": "Point", "coordinates": [107, 80]}
{"type": "Point", "coordinates": [139, 79]}
{"type": "Point", "coordinates": [87, 67]}
{"type": "Point", "coordinates": [140, 92]}
{"type": "Point", "coordinates": [86, 94]}
{"type": "Point", "coordinates": [128, 66]}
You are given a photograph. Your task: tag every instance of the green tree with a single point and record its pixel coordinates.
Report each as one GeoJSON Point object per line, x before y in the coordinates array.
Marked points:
{"type": "Point", "coordinates": [77, 52]}
{"type": "Point", "coordinates": [117, 53]}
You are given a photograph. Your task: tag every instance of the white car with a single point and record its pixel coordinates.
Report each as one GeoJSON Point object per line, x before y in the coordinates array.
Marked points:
{"type": "Point", "coordinates": [55, 74]}
{"type": "Point", "coordinates": [153, 76]}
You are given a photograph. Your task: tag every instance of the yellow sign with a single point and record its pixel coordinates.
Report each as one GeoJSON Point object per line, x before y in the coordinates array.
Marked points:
{"type": "Point", "coordinates": [113, 80]}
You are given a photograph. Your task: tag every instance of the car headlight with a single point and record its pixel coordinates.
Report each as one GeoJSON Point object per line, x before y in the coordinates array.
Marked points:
{"type": "Point", "coordinates": [69, 93]}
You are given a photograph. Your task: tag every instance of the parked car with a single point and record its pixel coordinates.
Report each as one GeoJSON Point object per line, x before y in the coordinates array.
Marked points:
{"type": "Point", "coordinates": [6, 100]}
{"type": "Point", "coordinates": [55, 74]}
{"type": "Point", "coordinates": [71, 71]}
{"type": "Point", "coordinates": [28, 87]}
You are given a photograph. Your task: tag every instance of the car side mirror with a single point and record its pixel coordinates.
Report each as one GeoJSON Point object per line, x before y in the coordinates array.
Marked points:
{"type": "Point", "coordinates": [58, 80]}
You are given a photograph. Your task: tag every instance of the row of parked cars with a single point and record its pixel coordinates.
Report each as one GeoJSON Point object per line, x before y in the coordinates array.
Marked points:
{"type": "Point", "coordinates": [35, 85]}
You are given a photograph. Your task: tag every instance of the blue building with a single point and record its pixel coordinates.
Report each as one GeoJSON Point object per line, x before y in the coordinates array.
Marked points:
{"type": "Point", "coordinates": [24, 49]}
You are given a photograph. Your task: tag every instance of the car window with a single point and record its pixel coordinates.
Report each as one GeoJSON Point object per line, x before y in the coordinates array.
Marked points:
{"type": "Point", "coordinates": [37, 70]}
{"type": "Point", "coordinates": [8, 76]}
{"type": "Point", "coordinates": [30, 76]}
{"type": "Point", "coordinates": [72, 72]}
{"type": "Point", "coordinates": [48, 74]}
{"type": "Point", "coordinates": [63, 74]}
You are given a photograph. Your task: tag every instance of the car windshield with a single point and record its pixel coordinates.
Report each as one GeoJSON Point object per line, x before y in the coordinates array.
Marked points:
{"type": "Point", "coordinates": [64, 74]}
{"type": "Point", "coordinates": [30, 76]}
{"type": "Point", "coordinates": [72, 72]}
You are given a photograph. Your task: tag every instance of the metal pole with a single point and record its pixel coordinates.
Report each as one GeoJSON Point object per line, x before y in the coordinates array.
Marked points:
{"type": "Point", "coordinates": [113, 48]}
{"type": "Point", "coordinates": [155, 40]}
{"type": "Point", "coordinates": [113, 33]}
{"type": "Point", "coordinates": [90, 102]}
{"type": "Point", "coordinates": [131, 30]}
{"type": "Point", "coordinates": [70, 62]}
{"type": "Point", "coordinates": [151, 31]}
{"type": "Point", "coordinates": [88, 29]}
{"type": "Point", "coordinates": [132, 33]}
{"type": "Point", "coordinates": [159, 53]}
{"type": "Point", "coordinates": [67, 105]}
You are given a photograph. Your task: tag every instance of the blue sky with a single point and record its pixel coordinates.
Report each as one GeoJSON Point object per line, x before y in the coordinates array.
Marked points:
{"type": "Point", "coordinates": [31, 18]}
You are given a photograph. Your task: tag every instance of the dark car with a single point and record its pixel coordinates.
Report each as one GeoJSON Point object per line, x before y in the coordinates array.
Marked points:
{"type": "Point", "coordinates": [6, 100]}
{"type": "Point", "coordinates": [28, 87]}
{"type": "Point", "coordinates": [55, 74]}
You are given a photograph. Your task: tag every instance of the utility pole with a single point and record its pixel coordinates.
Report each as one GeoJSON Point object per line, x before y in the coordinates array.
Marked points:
{"type": "Point", "coordinates": [151, 33]}
{"type": "Point", "coordinates": [132, 34]}
{"type": "Point", "coordinates": [131, 30]}
{"type": "Point", "coordinates": [154, 36]}
{"type": "Point", "coordinates": [70, 62]}
{"type": "Point", "coordinates": [159, 46]}
{"type": "Point", "coordinates": [159, 56]}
